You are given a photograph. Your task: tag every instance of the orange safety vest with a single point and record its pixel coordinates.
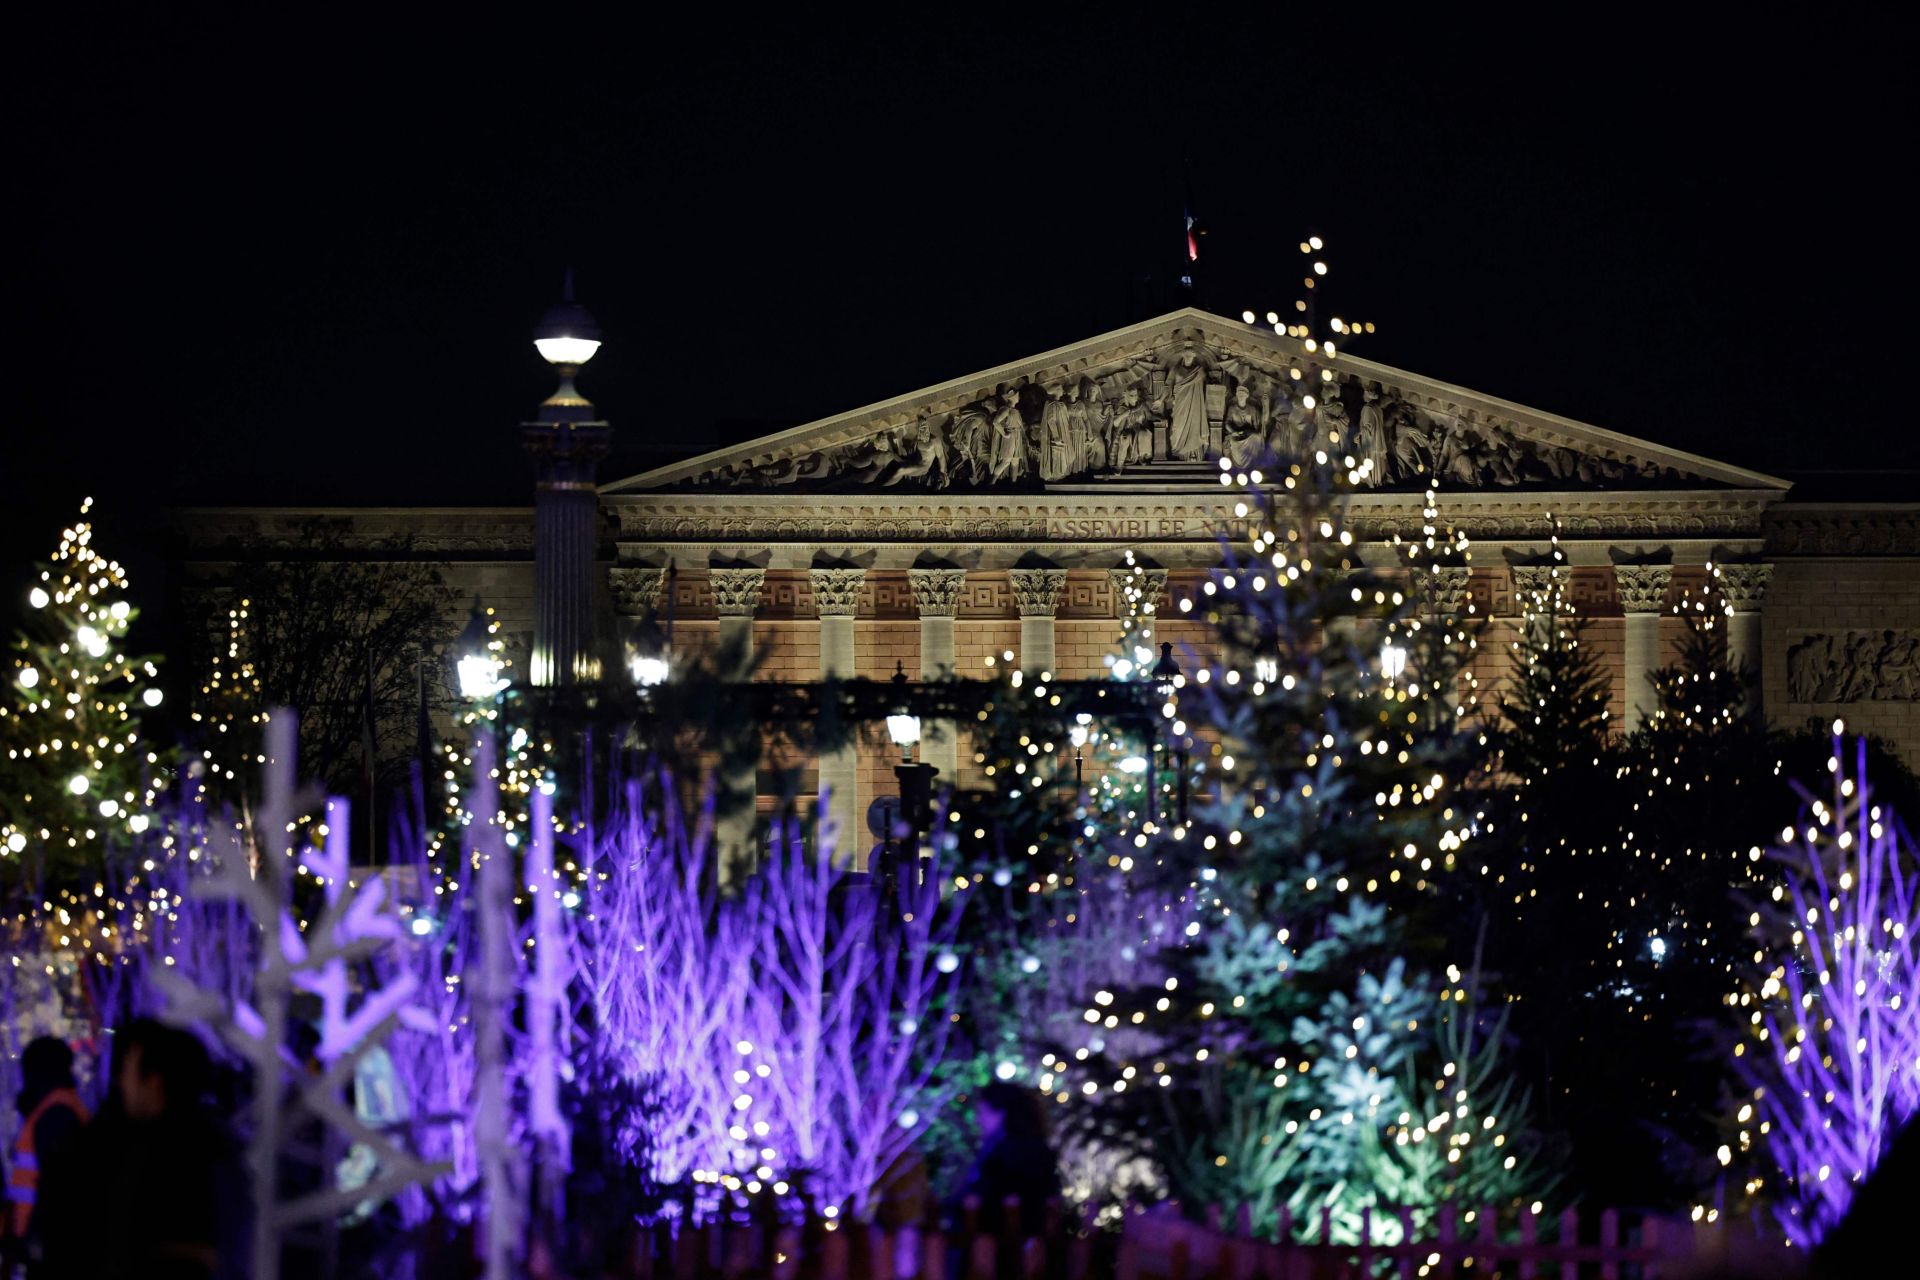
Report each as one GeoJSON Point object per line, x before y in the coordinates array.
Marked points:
{"type": "Point", "coordinates": [24, 1185]}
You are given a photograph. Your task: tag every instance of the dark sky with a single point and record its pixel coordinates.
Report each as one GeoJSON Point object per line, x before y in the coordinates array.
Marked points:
{"type": "Point", "coordinates": [299, 262]}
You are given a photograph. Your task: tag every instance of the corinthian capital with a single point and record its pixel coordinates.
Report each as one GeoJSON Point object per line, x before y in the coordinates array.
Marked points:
{"type": "Point", "coordinates": [836, 592]}
{"type": "Point", "coordinates": [936, 592]}
{"type": "Point", "coordinates": [636, 591]}
{"type": "Point", "coordinates": [736, 592]}
{"type": "Point", "coordinates": [1150, 584]}
{"type": "Point", "coordinates": [1450, 589]}
{"type": "Point", "coordinates": [1037, 591]}
{"type": "Point", "coordinates": [1745, 585]}
{"type": "Point", "coordinates": [1532, 579]}
{"type": "Point", "coordinates": [1643, 587]}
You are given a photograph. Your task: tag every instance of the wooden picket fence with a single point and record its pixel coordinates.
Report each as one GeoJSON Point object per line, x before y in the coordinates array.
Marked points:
{"type": "Point", "coordinates": [1159, 1244]}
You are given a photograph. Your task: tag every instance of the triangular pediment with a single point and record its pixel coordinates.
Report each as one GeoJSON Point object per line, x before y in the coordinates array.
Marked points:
{"type": "Point", "coordinates": [1157, 404]}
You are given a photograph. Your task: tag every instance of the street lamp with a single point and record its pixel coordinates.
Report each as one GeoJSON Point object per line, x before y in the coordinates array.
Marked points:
{"type": "Point", "coordinates": [916, 780]}
{"type": "Point", "coordinates": [648, 670]}
{"type": "Point", "coordinates": [1166, 673]}
{"type": "Point", "coordinates": [475, 662]}
{"type": "Point", "coordinates": [566, 338]}
{"type": "Point", "coordinates": [903, 727]}
{"type": "Point", "coordinates": [647, 655]}
{"type": "Point", "coordinates": [1393, 661]}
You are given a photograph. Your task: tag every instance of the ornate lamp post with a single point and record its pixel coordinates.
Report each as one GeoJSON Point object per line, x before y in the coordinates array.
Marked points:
{"type": "Point", "coordinates": [566, 443]}
{"type": "Point", "coordinates": [1393, 661]}
{"type": "Point", "coordinates": [475, 664]}
{"type": "Point", "coordinates": [916, 780]}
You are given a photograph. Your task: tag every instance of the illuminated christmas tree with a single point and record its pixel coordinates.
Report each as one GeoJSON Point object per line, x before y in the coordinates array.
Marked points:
{"type": "Point", "coordinates": [77, 779]}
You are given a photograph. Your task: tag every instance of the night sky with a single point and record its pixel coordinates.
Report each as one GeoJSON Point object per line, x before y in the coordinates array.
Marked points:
{"type": "Point", "coordinates": [300, 263]}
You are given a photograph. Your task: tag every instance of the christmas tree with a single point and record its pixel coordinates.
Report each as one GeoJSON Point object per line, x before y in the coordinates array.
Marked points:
{"type": "Point", "coordinates": [1289, 1042]}
{"type": "Point", "coordinates": [76, 776]}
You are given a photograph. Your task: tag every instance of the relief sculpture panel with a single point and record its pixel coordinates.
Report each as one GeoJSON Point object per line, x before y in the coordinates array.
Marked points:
{"type": "Point", "coordinates": [1854, 666]}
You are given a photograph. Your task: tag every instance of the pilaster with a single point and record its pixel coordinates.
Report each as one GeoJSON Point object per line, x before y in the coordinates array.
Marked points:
{"type": "Point", "coordinates": [1643, 598]}
{"type": "Point", "coordinates": [936, 594]}
{"type": "Point", "coordinates": [836, 598]}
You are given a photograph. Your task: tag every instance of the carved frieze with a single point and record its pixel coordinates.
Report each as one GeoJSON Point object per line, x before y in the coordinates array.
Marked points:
{"type": "Point", "coordinates": [836, 592]}
{"type": "Point", "coordinates": [936, 592]}
{"type": "Point", "coordinates": [1643, 587]}
{"type": "Point", "coordinates": [1854, 665]}
{"type": "Point", "coordinates": [736, 591]}
{"type": "Point", "coordinates": [1811, 531]}
{"type": "Point", "coordinates": [1037, 591]}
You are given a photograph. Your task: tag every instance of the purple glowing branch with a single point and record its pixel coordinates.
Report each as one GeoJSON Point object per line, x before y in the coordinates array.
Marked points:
{"type": "Point", "coordinates": [494, 990]}
{"type": "Point", "coordinates": [1840, 1069]}
{"type": "Point", "coordinates": [546, 1006]}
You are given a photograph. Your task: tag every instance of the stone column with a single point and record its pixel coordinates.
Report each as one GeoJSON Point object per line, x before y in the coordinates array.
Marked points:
{"type": "Point", "coordinates": [936, 593]}
{"type": "Point", "coordinates": [1643, 597]}
{"type": "Point", "coordinates": [836, 598]}
{"type": "Point", "coordinates": [736, 594]}
{"type": "Point", "coordinates": [1450, 582]}
{"type": "Point", "coordinates": [1745, 587]}
{"type": "Point", "coordinates": [566, 513]}
{"type": "Point", "coordinates": [1037, 592]}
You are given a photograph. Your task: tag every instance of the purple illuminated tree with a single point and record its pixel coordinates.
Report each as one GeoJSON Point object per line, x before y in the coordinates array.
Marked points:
{"type": "Point", "coordinates": [847, 1013]}
{"type": "Point", "coordinates": [662, 985]}
{"type": "Point", "coordinates": [1833, 1062]}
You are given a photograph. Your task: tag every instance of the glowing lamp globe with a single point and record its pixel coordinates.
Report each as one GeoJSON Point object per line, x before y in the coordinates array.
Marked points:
{"type": "Point", "coordinates": [903, 727]}
{"type": "Point", "coordinates": [475, 664]}
{"type": "Point", "coordinates": [1393, 660]}
{"type": "Point", "coordinates": [648, 670]}
{"type": "Point", "coordinates": [479, 677]}
{"type": "Point", "coordinates": [904, 730]}
{"type": "Point", "coordinates": [564, 350]}
{"type": "Point", "coordinates": [567, 334]}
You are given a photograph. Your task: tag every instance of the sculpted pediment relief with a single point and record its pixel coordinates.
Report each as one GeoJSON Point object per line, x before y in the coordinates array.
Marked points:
{"type": "Point", "coordinates": [1161, 404]}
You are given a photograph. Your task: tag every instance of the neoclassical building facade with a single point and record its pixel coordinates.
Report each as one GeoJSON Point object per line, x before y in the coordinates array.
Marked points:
{"type": "Point", "coordinates": [986, 517]}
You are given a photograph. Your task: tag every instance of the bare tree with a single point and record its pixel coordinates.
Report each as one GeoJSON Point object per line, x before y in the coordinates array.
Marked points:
{"type": "Point", "coordinates": [351, 639]}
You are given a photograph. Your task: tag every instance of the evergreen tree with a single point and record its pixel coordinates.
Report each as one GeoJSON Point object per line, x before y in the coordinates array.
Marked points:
{"type": "Point", "coordinates": [1287, 1006]}
{"type": "Point", "coordinates": [77, 778]}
